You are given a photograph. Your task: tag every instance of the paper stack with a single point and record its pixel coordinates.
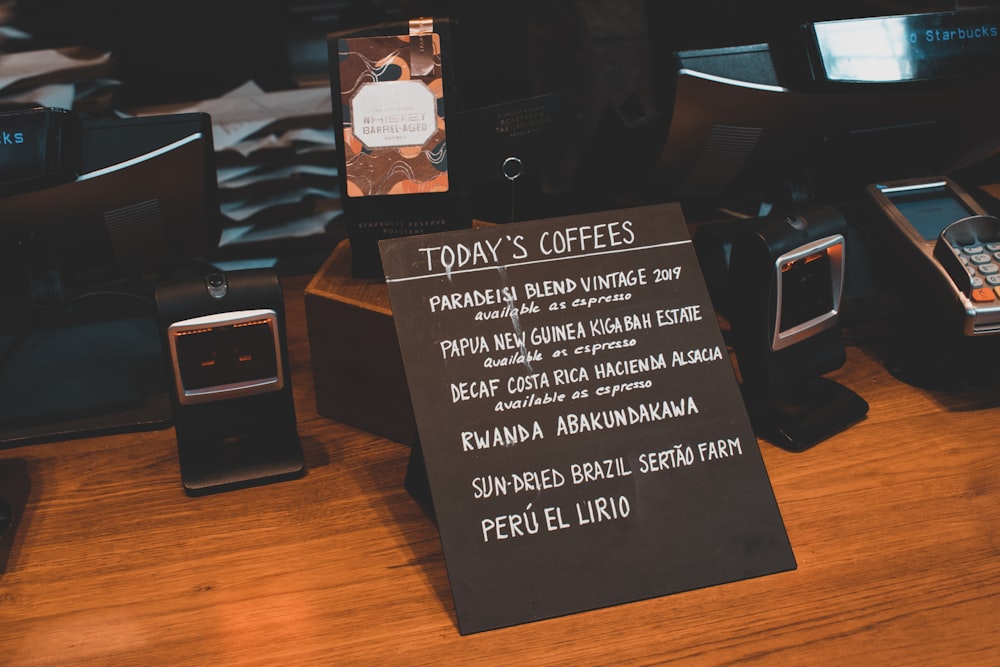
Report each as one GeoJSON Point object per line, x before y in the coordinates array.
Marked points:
{"type": "Point", "coordinates": [276, 162]}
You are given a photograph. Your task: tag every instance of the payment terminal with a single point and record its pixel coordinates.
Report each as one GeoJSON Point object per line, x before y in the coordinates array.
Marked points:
{"type": "Point", "coordinates": [952, 246]}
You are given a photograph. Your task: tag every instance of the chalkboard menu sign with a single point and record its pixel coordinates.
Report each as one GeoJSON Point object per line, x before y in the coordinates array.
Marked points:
{"type": "Point", "coordinates": [584, 436]}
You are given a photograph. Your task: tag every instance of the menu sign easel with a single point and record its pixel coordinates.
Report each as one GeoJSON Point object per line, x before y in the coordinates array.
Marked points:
{"type": "Point", "coordinates": [584, 436]}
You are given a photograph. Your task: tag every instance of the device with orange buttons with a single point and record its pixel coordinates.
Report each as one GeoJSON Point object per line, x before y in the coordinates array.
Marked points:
{"type": "Point", "coordinates": [234, 413]}
{"type": "Point", "coordinates": [950, 249]}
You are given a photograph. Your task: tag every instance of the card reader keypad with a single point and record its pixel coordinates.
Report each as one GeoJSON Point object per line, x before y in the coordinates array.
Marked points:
{"type": "Point", "coordinates": [982, 261]}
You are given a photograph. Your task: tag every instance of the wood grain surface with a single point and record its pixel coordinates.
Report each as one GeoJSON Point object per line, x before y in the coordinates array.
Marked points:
{"type": "Point", "coordinates": [895, 524]}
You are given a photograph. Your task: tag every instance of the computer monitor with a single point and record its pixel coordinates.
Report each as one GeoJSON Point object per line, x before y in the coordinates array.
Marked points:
{"type": "Point", "coordinates": [79, 345]}
{"type": "Point", "coordinates": [833, 106]}
{"type": "Point", "coordinates": [145, 195]}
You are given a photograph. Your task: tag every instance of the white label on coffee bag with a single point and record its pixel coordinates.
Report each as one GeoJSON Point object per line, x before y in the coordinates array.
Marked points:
{"type": "Point", "coordinates": [394, 113]}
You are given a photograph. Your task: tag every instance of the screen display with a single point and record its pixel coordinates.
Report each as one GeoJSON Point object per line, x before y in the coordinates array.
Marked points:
{"type": "Point", "coordinates": [22, 145]}
{"type": "Point", "coordinates": [907, 48]}
{"type": "Point", "coordinates": [806, 290]}
{"type": "Point", "coordinates": [215, 356]}
{"type": "Point", "coordinates": [37, 149]}
{"type": "Point", "coordinates": [929, 210]}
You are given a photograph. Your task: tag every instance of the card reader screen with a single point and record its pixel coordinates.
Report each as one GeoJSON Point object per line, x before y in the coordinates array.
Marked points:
{"type": "Point", "coordinates": [929, 209]}
{"type": "Point", "coordinates": [215, 356]}
{"type": "Point", "coordinates": [806, 291]}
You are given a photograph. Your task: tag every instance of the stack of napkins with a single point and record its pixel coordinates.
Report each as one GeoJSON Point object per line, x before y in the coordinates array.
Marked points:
{"type": "Point", "coordinates": [276, 162]}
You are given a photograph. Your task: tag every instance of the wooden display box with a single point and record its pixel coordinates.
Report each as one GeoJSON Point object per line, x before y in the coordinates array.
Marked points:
{"type": "Point", "coordinates": [357, 367]}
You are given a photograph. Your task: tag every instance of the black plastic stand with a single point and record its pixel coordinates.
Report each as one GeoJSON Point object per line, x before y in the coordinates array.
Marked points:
{"type": "Point", "coordinates": [6, 516]}
{"type": "Point", "coordinates": [249, 442]}
{"type": "Point", "coordinates": [15, 485]}
{"type": "Point", "coordinates": [805, 415]}
{"type": "Point", "coordinates": [216, 462]}
{"type": "Point", "coordinates": [417, 484]}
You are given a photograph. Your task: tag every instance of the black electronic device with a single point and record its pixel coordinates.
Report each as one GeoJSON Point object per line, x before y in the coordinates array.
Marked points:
{"type": "Point", "coordinates": [80, 351]}
{"type": "Point", "coordinates": [146, 196]}
{"type": "Point", "coordinates": [909, 47]}
{"type": "Point", "coordinates": [949, 244]}
{"type": "Point", "coordinates": [804, 118]}
{"type": "Point", "coordinates": [787, 277]}
{"type": "Point", "coordinates": [39, 146]}
{"type": "Point", "coordinates": [15, 489]}
{"type": "Point", "coordinates": [234, 415]}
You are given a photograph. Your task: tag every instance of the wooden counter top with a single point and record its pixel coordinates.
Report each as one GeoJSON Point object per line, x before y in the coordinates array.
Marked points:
{"type": "Point", "coordinates": [895, 525]}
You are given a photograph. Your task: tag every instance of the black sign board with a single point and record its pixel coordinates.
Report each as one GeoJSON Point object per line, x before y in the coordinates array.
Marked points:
{"type": "Point", "coordinates": [585, 439]}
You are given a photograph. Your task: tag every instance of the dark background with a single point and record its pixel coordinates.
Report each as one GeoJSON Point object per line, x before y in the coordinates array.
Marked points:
{"type": "Point", "coordinates": [186, 50]}
{"type": "Point", "coordinates": [608, 61]}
